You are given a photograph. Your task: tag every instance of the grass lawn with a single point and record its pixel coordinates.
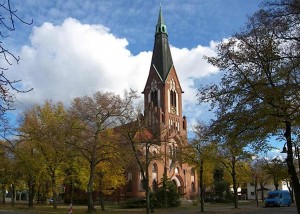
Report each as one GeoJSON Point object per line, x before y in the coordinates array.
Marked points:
{"type": "Point", "coordinates": [113, 208]}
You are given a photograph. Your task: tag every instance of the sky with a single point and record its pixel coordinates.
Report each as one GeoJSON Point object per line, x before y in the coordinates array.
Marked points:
{"type": "Point", "coordinates": [75, 48]}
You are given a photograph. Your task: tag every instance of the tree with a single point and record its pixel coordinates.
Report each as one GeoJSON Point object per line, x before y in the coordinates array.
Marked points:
{"type": "Point", "coordinates": [259, 90]}
{"type": "Point", "coordinates": [260, 177]}
{"type": "Point", "coordinates": [30, 164]}
{"type": "Point", "coordinates": [232, 155]}
{"type": "Point", "coordinates": [232, 151]}
{"type": "Point", "coordinates": [76, 176]}
{"type": "Point", "coordinates": [277, 169]}
{"type": "Point", "coordinates": [220, 185]}
{"type": "Point", "coordinates": [110, 176]}
{"type": "Point", "coordinates": [167, 194]}
{"type": "Point", "coordinates": [144, 148]}
{"type": "Point", "coordinates": [48, 128]}
{"type": "Point", "coordinates": [198, 153]}
{"type": "Point", "coordinates": [8, 17]}
{"type": "Point", "coordinates": [95, 117]}
{"type": "Point", "coordinates": [5, 168]}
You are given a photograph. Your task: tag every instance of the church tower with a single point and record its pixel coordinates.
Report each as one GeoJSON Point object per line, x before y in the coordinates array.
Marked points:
{"type": "Point", "coordinates": [162, 92]}
{"type": "Point", "coordinates": [164, 120]}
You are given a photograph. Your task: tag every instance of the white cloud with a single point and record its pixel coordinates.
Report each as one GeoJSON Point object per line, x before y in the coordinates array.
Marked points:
{"type": "Point", "coordinates": [190, 65]}
{"type": "Point", "coordinates": [74, 59]}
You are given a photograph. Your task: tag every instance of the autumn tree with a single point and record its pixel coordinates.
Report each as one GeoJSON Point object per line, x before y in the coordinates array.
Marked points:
{"type": "Point", "coordinates": [198, 153]}
{"type": "Point", "coordinates": [30, 164]}
{"type": "Point", "coordinates": [11, 173]}
{"type": "Point", "coordinates": [232, 156]}
{"type": "Point", "coordinates": [110, 176]}
{"type": "Point", "coordinates": [75, 176]}
{"type": "Point", "coordinates": [221, 185]}
{"type": "Point", "coordinates": [96, 115]}
{"type": "Point", "coordinates": [259, 89]}
{"type": "Point", "coordinates": [4, 169]}
{"type": "Point", "coordinates": [233, 151]}
{"type": "Point", "coordinates": [48, 128]}
{"type": "Point", "coordinates": [143, 146]}
{"type": "Point", "coordinates": [260, 177]}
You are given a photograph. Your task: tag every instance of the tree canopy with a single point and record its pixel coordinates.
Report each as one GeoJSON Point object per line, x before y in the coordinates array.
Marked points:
{"type": "Point", "coordinates": [258, 95]}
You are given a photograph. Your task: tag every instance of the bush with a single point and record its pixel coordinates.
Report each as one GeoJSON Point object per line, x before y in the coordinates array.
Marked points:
{"type": "Point", "coordinates": [141, 203]}
{"type": "Point", "coordinates": [166, 196]}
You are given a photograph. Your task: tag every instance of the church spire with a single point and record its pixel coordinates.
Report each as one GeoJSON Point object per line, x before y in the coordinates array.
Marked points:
{"type": "Point", "coordinates": [161, 58]}
{"type": "Point", "coordinates": [160, 26]}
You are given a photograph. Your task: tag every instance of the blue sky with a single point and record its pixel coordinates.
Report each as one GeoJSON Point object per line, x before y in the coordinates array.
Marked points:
{"type": "Point", "coordinates": [75, 47]}
{"type": "Point", "coordinates": [190, 22]}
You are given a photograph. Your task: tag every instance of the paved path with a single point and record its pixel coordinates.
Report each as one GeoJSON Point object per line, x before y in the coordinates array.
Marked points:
{"type": "Point", "coordinates": [243, 210]}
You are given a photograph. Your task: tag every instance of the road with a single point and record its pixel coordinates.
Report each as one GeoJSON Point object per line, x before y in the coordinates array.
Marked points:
{"type": "Point", "coordinates": [243, 210]}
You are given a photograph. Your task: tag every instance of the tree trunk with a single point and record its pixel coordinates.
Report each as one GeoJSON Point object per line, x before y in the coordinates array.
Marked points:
{"type": "Point", "coordinates": [164, 186]}
{"type": "Point", "coordinates": [54, 191]}
{"type": "Point", "coordinates": [38, 194]}
{"type": "Point", "coordinates": [290, 188]}
{"type": "Point", "coordinates": [202, 190]}
{"type": "Point", "coordinates": [101, 201]}
{"type": "Point", "coordinates": [13, 195]}
{"type": "Point", "coordinates": [3, 193]}
{"type": "Point", "coordinates": [148, 206]}
{"type": "Point", "coordinates": [72, 193]}
{"type": "Point", "coordinates": [31, 192]}
{"type": "Point", "coordinates": [291, 168]}
{"type": "Point", "coordinates": [255, 190]}
{"type": "Point", "coordinates": [262, 191]}
{"type": "Point", "coordinates": [275, 181]}
{"type": "Point", "coordinates": [233, 174]}
{"type": "Point", "coordinates": [91, 207]}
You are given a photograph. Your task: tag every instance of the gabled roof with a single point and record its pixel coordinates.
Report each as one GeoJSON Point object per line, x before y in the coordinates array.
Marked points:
{"type": "Point", "coordinates": [161, 58]}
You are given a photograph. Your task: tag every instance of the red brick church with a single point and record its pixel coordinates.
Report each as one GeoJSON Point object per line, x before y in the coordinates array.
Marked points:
{"type": "Point", "coordinates": [163, 113]}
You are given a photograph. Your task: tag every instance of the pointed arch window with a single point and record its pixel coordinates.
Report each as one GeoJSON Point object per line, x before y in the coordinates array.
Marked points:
{"type": "Point", "coordinates": [154, 168]}
{"type": "Point", "coordinates": [170, 151]}
{"type": "Point", "coordinates": [142, 183]}
{"type": "Point", "coordinates": [154, 177]}
{"type": "Point", "coordinates": [174, 151]}
{"type": "Point", "coordinates": [193, 186]}
{"type": "Point", "coordinates": [154, 97]}
{"type": "Point", "coordinates": [173, 97]}
{"type": "Point", "coordinates": [154, 93]}
{"type": "Point", "coordinates": [154, 185]}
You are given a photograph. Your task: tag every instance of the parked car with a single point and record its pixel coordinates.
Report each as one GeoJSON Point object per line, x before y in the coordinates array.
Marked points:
{"type": "Point", "coordinates": [278, 198]}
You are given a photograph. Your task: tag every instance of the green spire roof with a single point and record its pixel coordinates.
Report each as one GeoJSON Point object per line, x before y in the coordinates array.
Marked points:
{"type": "Point", "coordinates": [160, 26]}
{"type": "Point", "coordinates": [161, 58]}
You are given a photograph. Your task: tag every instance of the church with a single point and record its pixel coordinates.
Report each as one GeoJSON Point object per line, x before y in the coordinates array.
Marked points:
{"type": "Point", "coordinates": [163, 116]}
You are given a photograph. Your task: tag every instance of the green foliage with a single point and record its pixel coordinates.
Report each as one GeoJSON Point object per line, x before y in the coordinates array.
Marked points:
{"type": "Point", "coordinates": [258, 94]}
{"type": "Point", "coordinates": [166, 195]}
{"type": "Point", "coordinates": [220, 186]}
{"type": "Point", "coordinates": [110, 176]}
{"type": "Point", "coordinates": [44, 130]}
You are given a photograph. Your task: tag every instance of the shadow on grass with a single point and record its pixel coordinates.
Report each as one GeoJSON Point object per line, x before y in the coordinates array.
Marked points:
{"type": "Point", "coordinates": [111, 208]}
